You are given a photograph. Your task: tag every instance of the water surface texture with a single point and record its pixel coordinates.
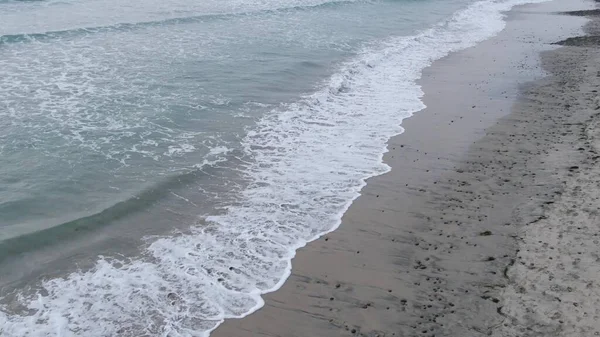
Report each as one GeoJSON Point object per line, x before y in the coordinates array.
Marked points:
{"type": "Point", "coordinates": [161, 161]}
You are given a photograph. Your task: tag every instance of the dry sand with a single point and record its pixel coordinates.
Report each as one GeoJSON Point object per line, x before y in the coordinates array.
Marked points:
{"type": "Point", "coordinates": [487, 223]}
{"type": "Point", "coordinates": [554, 287]}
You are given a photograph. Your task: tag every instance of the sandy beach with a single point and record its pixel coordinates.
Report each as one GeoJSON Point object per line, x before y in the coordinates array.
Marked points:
{"type": "Point", "coordinates": [487, 223]}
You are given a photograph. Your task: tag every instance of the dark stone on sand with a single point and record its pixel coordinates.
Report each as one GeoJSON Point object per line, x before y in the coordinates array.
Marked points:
{"type": "Point", "coordinates": [581, 41]}
{"type": "Point", "coordinates": [485, 233]}
{"type": "Point", "coordinates": [490, 258]}
{"type": "Point", "coordinates": [591, 12]}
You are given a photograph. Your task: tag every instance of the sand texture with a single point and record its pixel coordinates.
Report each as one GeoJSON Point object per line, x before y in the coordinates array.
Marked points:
{"type": "Point", "coordinates": [554, 284]}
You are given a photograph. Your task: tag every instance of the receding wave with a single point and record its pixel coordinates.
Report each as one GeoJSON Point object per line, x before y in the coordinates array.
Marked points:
{"type": "Point", "coordinates": [121, 27]}
{"type": "Point", "coordinates": [309, 162]}
{"type": "Point", "coordinates": [70, 230]}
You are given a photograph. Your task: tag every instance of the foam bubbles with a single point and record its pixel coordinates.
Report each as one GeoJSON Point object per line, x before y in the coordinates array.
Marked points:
{"type": "Point", "coordinates": [310, 160]}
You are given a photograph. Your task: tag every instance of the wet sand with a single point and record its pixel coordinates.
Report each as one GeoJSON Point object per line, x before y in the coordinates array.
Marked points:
{"type": "Point", "coordinates": [487, 223]}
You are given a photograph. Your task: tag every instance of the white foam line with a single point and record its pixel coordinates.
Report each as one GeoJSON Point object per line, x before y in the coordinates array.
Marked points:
{"type": "Point", "coordinates": [310, 162]}
{"type": "Point", "coordinates": [184, 199]}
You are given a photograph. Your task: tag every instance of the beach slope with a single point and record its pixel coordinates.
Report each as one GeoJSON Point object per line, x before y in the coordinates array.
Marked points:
{"type": "Point", "coordinates": [486, 224]}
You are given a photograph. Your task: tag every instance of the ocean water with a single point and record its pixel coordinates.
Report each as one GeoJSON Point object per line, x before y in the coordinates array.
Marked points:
{"type": "Point", "coordinates": [162, 161]}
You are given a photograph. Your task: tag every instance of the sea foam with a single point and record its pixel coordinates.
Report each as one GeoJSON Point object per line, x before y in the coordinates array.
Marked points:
{"type": "Point", "coordinates": [309, 162]}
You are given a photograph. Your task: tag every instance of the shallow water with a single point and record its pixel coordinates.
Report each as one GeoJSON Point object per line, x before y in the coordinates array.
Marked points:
{"type": "Point", "coordinates": [195, 145]}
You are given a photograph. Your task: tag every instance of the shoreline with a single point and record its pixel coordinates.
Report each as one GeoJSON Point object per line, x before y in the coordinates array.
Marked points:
{"type": "Point", "coordinates": [359, 279]}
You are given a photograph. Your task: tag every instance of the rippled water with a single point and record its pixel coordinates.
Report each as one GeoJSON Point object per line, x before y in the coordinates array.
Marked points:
{"type": "Point", "coordinates": [195, 145]}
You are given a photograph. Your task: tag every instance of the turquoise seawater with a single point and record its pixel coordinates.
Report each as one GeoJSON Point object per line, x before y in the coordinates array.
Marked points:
{"type": "Point", "coordinates": [102, 100]}
{"type": "Point", "coordinates": [161, 161]}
